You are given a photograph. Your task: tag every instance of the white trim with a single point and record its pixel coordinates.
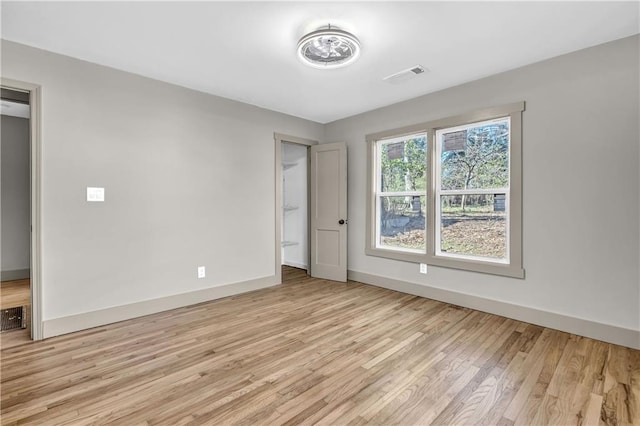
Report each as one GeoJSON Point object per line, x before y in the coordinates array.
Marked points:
{"type": "Point", "coordinates": [439, 193]}
{"type": "Point", "coordinates": [583, 327]}
{"type": "Point", "coordinates": [401, 138]}
{"type": "Point", "coordinates": [295, 265]}
{"type": "Point", "coordinates": [403, 194]}
{"type": "Point", "coordinates": [377, 188]}
{"type": "Point", "coordinates": [83, 321]}
{"type": "Point", "coordinates": [397, 249]}
{"type": "Point", "coordinates": [378, 193]}
{"type": "Point", "coordinates": [469, 125]}
{"type": "Point", "coordinates": [461, 256]}
{"type": "Point", "coordinates": [489, 191]}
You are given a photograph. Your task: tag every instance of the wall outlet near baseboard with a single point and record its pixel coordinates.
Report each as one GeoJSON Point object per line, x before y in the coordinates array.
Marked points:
{"type": "Point", "coordinates": [423, 268]}
{"type": "Point", "coordinates": [201, 272]}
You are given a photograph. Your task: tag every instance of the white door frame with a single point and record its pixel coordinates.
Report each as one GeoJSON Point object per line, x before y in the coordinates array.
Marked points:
{"type": "Point", "coordinates": [279, 139]}
{"type": "Point", "coordinates": [35, 166]}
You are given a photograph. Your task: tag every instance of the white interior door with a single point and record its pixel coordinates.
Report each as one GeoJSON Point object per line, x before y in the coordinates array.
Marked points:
{"type": "Point", "coordinates": [329, 211]}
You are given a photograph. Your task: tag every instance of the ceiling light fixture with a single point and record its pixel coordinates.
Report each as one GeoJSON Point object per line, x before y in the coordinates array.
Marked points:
{"type": "Point", "coordinates": [328, 47]}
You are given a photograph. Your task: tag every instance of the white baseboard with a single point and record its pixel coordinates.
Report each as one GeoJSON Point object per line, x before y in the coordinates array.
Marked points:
{"type": "Point", "coordinates": [15, 274]}
{"type": "Point", "coordinates": [595, 330]}
{"type": "Point", "coordinates": [295, 264]}
{"type": "Point", "coordinates": [83, 321]}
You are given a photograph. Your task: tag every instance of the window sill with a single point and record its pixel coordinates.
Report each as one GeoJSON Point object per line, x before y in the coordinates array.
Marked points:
{"type": "Point", "coordinates": [492, 268]}
{"type": "Point", "coordinates": [396, 255]}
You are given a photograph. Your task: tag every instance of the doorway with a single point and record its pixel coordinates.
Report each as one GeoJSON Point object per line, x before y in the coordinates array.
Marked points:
{"type": "Point", "coordinates": [20, 182]}
{"type": "Point", "coordinates": [295, 202]}
{"type": "Point", "coordinates": [292, 202]}
{"type": "Point", "coordinates": [15, 269]}
{"type": "Point", "coordinates": [326, 202]}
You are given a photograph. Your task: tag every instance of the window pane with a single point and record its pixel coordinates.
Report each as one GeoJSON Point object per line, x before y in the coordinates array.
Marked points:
{"type": "Point", "coordinates": [476, 157]}
{"type": "Point", "coordinates": [402, 222]}
{"type": "Point", "coordinates": [474, 225]}
{"type": "Point", "coordinates": [403, 165]}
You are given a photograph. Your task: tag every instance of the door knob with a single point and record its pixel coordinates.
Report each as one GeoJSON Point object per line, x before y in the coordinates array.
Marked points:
{"type": "Point", "coordinates": [342, 222]}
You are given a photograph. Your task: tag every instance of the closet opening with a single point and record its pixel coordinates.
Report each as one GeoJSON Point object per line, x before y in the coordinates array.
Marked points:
{"type": "Point", "coordinates": [295, 205]}
{"type": "Point", "coordinates": [292, 203]}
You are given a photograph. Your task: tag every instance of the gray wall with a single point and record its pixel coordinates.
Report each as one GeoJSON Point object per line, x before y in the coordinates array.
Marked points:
{"type": "Point", "coordinates": [189, 181]}
{"type": "Point", "coordinates": [581, 183]}
{"type": "Point", "coordinates": [15, 196]}
{"type": "Point", "coordinates": [188, 178]}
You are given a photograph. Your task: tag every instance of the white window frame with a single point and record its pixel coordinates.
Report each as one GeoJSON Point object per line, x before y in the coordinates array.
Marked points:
{"type": "Point", "coordinates": [372, 247]}
{"type": "Point", "coordinates": [513, 267]}
{"type": "Point", "coordinates": [439, 192]}
{"type": "Point", "coordinates": [379, 193]}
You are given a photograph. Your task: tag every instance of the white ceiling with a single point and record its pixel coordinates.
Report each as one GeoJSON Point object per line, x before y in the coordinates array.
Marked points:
{"type": "Point", "coordinates": [246, 51]}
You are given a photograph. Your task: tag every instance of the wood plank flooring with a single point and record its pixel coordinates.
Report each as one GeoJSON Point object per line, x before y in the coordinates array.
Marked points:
{"type": "Point", "coordinates": [15, 293]}
{"type": "Point", "coordinates": [313, 351]}
{"type": "Point", "coordinates": [11, 338]}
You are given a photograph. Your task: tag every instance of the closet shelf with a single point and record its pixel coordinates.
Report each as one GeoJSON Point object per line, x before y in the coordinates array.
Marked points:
{"type": "Point", "coordinates": [289, 243]}
{"type": "Point", "coordinates": [287, 166]}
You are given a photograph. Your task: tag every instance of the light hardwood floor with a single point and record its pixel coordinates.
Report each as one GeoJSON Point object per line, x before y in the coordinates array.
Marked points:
{"type": "Point", "coordinates": [13, 294]}
{"type": "Point", "coordinates": [314, 351]}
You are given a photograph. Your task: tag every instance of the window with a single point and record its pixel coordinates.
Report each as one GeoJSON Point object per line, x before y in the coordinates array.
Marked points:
{"type": "Point", "coordinates": [472, 191]}
{"type": "Point", "coordinates": [401, 193]}
{"type": "Point", "coordinates": [448, 192]}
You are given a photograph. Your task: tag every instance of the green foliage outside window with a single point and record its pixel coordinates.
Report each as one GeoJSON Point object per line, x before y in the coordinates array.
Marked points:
{"type": "Point", "coordinates": [404, 172]}
{"type": "Point", "coordinates": [483, 164]}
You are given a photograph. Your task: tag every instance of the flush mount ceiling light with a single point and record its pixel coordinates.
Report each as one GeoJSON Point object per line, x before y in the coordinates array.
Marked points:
{"type": "Point", "coordinates": [328, 47]}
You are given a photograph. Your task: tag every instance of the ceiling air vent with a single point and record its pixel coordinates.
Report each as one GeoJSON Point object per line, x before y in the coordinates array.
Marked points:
{"type": "Point", "coordinates": [405, 75]}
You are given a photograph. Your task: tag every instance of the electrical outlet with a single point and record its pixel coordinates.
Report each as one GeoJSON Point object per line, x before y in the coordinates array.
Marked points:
{"type": "Point", "coordinates": [201, 272]}
{"type": "Point", "coordinates": [423, 268]}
